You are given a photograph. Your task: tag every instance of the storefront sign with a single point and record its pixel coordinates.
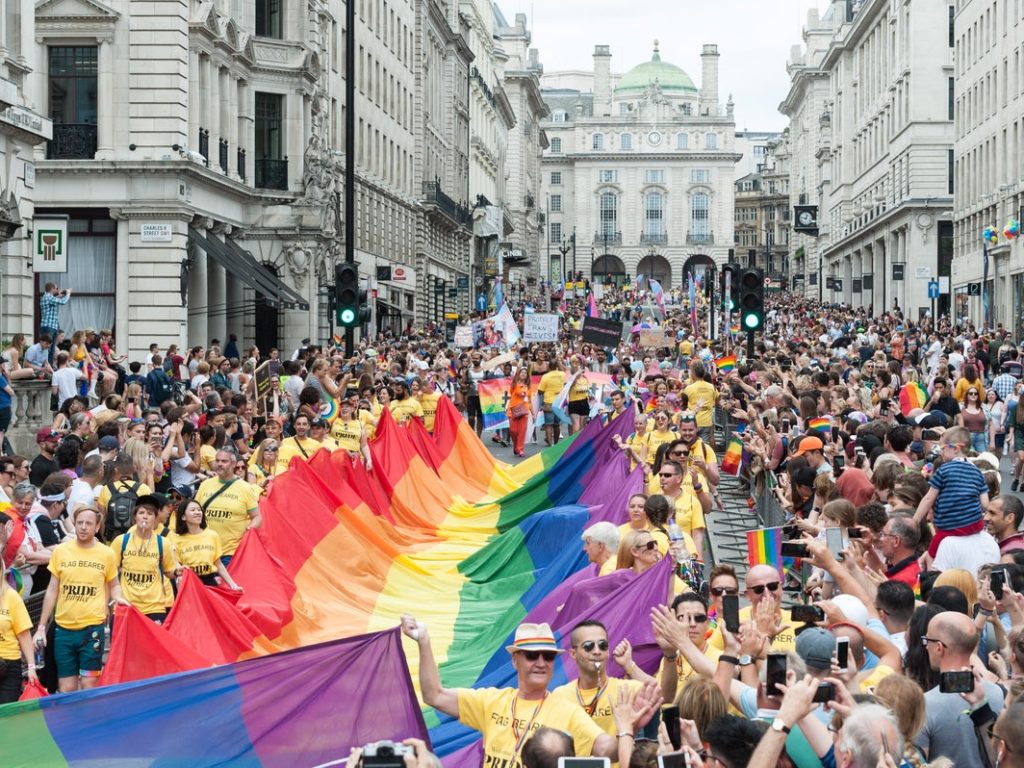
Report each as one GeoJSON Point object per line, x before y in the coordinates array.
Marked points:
{"type": "Point", "coordinates": [50, 244]}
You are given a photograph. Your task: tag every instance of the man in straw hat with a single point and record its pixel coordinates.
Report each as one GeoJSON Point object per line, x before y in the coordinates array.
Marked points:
{"type": "Point", "coordinates": [507, 717]}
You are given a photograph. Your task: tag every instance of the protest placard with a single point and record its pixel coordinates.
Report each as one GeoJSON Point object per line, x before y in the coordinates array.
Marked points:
{"type": "Point", "coordinates": [539, 328]}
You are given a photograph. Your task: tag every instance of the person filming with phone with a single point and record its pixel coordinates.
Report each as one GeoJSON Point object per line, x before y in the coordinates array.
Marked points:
{"type": "Point", "coordinates": [507, 717]}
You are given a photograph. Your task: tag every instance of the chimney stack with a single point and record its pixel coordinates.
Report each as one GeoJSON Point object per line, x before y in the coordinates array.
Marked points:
{"type": "Point", "coordinates": [602, 81]}
{"type": "Point", "coordinates": [709, 80]}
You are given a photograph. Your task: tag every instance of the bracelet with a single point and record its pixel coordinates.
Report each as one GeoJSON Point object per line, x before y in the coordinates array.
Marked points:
{"type": "Point", "coordinates": [728, 659]}
{"type": "Point", "coordinates": [698, 489]}
{"type": "Point", "coordinates": [625, 736]}
{"type": "Point", "coordinates": [673, 657]}
{"type": "Point", "coordinates": [984, 612]}
{"type": "Point", "coordinates": [31, 667]}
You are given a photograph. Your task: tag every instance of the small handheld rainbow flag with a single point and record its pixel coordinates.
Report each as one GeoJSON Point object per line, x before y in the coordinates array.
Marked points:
{"type": "Point", "coordinates": [452, 369]}
{"type": "Point", "coordinates": [764, 547]}
{"type": "Point", "coordinates": [726, 364]}
{"type": "Point", "coordinates": [493, 396]}
{"type": "Point", "coordinates": [820, 424]}
{"type": "Point", "coordinates": [732, 461]}
{"type": "Point", "coordinates": [912, 395]}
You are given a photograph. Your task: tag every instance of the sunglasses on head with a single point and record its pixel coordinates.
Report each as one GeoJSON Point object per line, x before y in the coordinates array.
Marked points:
{"type": "Point", "coordinates": [588, 646]}
{"type": "Point", "coordinates": [719, 591]}
{"type": "Point", "coordinates": [534, 655]}
{"type": "Point", "coordinates": [771, 586]}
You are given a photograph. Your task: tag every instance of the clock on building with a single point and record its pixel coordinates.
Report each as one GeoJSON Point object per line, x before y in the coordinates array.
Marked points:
{"type": "Point", "coordinates": [654, 138]}
{"type": "Point", "coordinates": [806, 218]}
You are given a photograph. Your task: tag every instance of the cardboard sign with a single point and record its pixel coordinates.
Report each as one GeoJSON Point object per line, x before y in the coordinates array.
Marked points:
{"type": "Point", "coordinates": [464, 336]}
{"type": "Point", "coordinates": [539, 327]}
{"type": "Point", "coordinates": [655, 338]}
{"type": "Point", "coordinates": [604, 333]}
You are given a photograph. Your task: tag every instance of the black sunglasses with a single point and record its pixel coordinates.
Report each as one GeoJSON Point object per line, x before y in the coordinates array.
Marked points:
{"type": "Point", "coordinates": [698, 618]}
{"type": "Point", "coordinates": [719, 591]}
{"type": "Point", "coordinates": [771, 586]}
{"type": "Point", "coordinates": [534, 655]}
{"type": "Point", "coordinates": [648, 546]}
{"type": "Point", "coordinates": [588, 646]}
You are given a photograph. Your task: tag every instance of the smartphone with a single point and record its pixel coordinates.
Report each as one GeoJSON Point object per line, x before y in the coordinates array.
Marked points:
{"type": "Point", "coordinates": [731, 612]}
{"type": "Point", "coordinates": [996, 581]}
{"type": "Point", "coordinates": [826, 692]}
{"type": "Point", "coordinates": [670, 717]}
{"type": "Point", "coordinates": [835, 434]}
{"type": "Point", "coordinates": [808, 614]}
{"type": "Point", "coordinates": [843, 652]}
{"type": "Point", "coordinates": [854, 533]}
{"type": "Point", "coordinates": [794, 549]}
{"type": "Point", "coordinates": [672, 760]}
{"type": "Point", "coordinates": [956, 682]}
{"type": "Point", "coordinates": [776, 673]}
{"type": "Point", "coordinates": [838, 464]}
{"type": "Point", "coordinates": [834, 539]}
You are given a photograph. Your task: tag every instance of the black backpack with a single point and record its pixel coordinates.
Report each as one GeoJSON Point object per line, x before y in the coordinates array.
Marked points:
{"type": "Point", "coordinates": [119, 509]}
{"type": "Point", "coordinates": [161, 388]}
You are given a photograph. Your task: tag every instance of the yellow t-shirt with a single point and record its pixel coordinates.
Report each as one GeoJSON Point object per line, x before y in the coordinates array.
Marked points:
{"type": "Point", "coordinates": [198, 551]}
{"type": "Point", "coordinates": [684, 672]}
{"type": "Point", "coordinates": [292, 446]}
{"type": "Point", "coordinates": [685, 348]}
{"type": "Point", "coordinates": [490, 711]}
{"type": "Point", "coordinates": [689, 512]}
{"type": "Point", "coordinates": [580, 389]}
{"type": "Point", "coordinates": [403, 410]}
{"type": "Point", "coordinates": [702, 397]}
{"type": "Point", "coordinates": [369, 421]}
{"type": "Point", "coordinates": [228, 514]}
{"type": "Point", "coordinates": [551, 383]}
{"type": "Point", "coordinates": [347, 434]}
{"type": "Point", "coordinates": [784, 642]}
{"type": "Point", "coordinates": [698, 451]}
{"type": "Point", "coordinates": [571, 693]}
{"type": "Point", "coordinates": [121, 485]}
{"type": "Point", "coordinates": [655, 439]}
{"type": "Point", "coordinates": [84, 573]}
{"type": "Point", "coordinates": [659, 536]}
{"type": "Point", "coordinates": [13, 621]}
{"type": "Point", "coordinates": [207, 455]}
{"type": "Point", "coordinates": [429, 402]}
{"type": "Point", "coordinates": [141, 582]}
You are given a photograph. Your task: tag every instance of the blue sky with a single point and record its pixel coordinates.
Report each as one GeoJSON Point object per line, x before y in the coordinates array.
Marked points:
{"type": "Point", "coordinates": [754, 38]}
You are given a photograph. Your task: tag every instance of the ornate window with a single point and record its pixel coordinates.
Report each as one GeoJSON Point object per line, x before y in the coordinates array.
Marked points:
{"type": "Point", "coordinates": [700, 215]}
{"type": "Point", "coordinates": [626, 141]}
{"type": "Point", "coordinates": [654, 215]}
{"type": "Point", "coordinates": [556, 145]}
{"type": "Point", "coordinates": [598, 141]}
{"type": "Point", "coordinates": [682, 141]}
{"type": "Point", "coordinates": [609, 213]}
{"type": "Point", "coordinates": [710, 141]}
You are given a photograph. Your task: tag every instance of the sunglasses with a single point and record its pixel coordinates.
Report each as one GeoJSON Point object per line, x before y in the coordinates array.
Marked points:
{"type": "Point", "coordinates": [667, 474]}
{"type": "Point", "coordinates": [697, 618]}
{"type": "Point", "coordinates": [648, 546]}
{"type": "Point", "coordinates": [771, 586]}
{"type": "Point", "coordinates": [549, 656]}
{"type": "Point", "coordinates": [719, 591]}
{"type": "Point", "coordinates": [589, 645]}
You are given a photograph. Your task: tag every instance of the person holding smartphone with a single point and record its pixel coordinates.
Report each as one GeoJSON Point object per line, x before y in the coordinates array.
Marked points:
{"type": "Point", "coordinates": [506, 717]}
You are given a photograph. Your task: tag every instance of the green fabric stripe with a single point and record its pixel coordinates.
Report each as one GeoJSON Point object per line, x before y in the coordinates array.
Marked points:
{"type": "Point", "coordinates": [533, 495]}
{"type": "Point", "coordinates": [25, 739]}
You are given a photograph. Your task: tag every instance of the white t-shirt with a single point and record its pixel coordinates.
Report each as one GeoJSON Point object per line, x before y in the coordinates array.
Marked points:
{"type": "Point", "coordinates": [967, 552]}
{"type": "Point", "coordinates": [82, 494]}
{"type": "Point", "coordinates": [180, 475]}
{"type": "Point", "coordinates": [65, 380]}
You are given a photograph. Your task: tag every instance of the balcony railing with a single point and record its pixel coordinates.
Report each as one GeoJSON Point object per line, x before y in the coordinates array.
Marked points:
{"type": "Point", "coordinates": [222, 154]}
{"type": "Point", "coordinates": [241, 163]}
{"type": "Point", "coordinates": [434, 195]}
{"type": "Point", "coordinates": [204, 145]}
{"type": "Point", "coordinates": [72, 141]}
{"type": "Point", "coordinates": [699, 239]}
{"type": "Point", "coordinates": [271, 173]}
{"type": "Point", "coordinates": [609, 237]}
{"type": "Point", "coordinates": [653, 237]}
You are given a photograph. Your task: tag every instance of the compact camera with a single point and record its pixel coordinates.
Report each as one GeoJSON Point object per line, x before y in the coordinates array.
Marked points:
{"type": "Point", "coordinates": [386, 754]}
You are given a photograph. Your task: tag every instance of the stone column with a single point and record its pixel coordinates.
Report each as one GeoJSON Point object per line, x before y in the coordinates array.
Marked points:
{"type": "Point", "coordinates": [236, 311]}
{"type": "Point", "coordinates": [295, 137]}
{"type": "Point", "coordinates": [216, 296]}
{"type": "Point", "coordinates": [198, 304]}
{"type": "Point", "coordinates": [214, 112]}
{"type": "Point", "coordinates": [122, 284]}
{"type": "Point", "coordinates": [107, 102]}
{"type": "Point", "coordinates": [231, 125]}
{"type": "Point", "coordinates": [195, 98]}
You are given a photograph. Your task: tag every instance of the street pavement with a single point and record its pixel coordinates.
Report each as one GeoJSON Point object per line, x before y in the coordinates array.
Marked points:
{"type": "Point", "coordinates": [505, 454]}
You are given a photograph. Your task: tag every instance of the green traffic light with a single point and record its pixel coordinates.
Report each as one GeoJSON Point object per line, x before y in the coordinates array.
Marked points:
{"type": "Point", "coordinates": [751, 322]}
{"type": "Point", "coordinates": [347, 316]}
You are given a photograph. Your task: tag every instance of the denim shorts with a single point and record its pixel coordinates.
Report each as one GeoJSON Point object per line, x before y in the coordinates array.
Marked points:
{"type": "Point", "coordinates": [78, 651]}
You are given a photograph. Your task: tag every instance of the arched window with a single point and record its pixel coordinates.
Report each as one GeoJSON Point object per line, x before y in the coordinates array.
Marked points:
{"type": "Point", "coordinates": [609, 210]}
{"type": "Point", "coordinates": [699, 217]}
{"type": "Point", "coordinates": [626, 141]}
{"type": "Point", "coordinates": [654, 216]}
{"type": "Point", "coordinates": [598, 141]}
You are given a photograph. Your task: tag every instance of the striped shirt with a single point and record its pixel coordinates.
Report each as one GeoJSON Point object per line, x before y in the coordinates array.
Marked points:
{"type": "Point", "coordinates": [960, 485]}
{"type": "Point", "coordinates": [1004, 384]}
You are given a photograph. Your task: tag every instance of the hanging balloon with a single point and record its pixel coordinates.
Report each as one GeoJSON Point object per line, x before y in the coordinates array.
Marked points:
{"type": "Point", "coordinates": [990, 235]}
{"type": "Point", "coordinates": [1012, 229]}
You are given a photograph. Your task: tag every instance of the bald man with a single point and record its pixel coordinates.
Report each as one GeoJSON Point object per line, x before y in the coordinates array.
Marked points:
{"type": "Point", "coordinates": [951, 639]}
{"type": "Point", "coordinates": [764, 584]}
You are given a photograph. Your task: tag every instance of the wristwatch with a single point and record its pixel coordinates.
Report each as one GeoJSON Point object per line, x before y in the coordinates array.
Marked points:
{"type": "Point", "coordinates": [779, 726]}
{"type": "Point", "coordinates": [746, 660]}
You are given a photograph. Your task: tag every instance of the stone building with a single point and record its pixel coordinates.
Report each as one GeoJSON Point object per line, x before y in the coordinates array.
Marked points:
{"type": "Point", "coordinates": [197, 162]}
{"type": "Point", "coordinates": [638, 175]}
{"type": "Point", "coordinates": [989, 184]}
{"type": "Point", "coordinates": [763, 214]}
{"type": "Point", "coordinates": [886, 171]}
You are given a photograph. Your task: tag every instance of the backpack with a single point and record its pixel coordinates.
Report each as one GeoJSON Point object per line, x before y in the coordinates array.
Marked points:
{"type": "Point", "coordinates": [120, 507]}
{"type": "Point", "coordinates": [161, 388]}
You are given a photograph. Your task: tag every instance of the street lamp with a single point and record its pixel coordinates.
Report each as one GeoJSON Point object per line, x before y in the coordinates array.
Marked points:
{"type": "Point", "coordinates": [564, 250]}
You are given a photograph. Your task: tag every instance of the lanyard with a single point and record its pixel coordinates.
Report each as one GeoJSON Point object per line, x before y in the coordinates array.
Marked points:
{"type": "Point", "coordinates": [521, 736]}
{"type": "Point", "coordinates": [592, 706]}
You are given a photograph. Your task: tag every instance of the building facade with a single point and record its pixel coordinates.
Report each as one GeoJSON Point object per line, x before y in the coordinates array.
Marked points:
{"type": "Point", "coordinates": [989, 185]}
{"type": "Point", "coordinates": [196, 163]}
{"type": "Point", "coordinates": [886, 173]}
{"type": "Point", "coordinates": [763, 214]}
{"type": "Point", "coordinates": [638, 175]}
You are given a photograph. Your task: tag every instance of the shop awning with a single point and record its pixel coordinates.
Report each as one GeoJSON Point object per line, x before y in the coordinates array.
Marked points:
{"type": "Point", "coordinates": [242, 265]}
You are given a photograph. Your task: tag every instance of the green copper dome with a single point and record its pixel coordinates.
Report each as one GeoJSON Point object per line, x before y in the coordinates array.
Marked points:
{"type": "Point", "coordinates": [670, 77]}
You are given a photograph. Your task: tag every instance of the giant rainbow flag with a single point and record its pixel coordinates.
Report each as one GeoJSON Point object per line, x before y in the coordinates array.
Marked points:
{"type": "Point", "coordinates": [439, 528]}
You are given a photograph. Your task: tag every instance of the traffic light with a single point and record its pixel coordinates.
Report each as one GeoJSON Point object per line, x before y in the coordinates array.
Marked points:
{"type": "Point", "coordinates": [346, 294]}
{"type": "Point", "coordinates": [730, 298]}
{"type": "Point", "coordinates": [364, 307]}
{"type": "Point", "coordinates": [751, 299]}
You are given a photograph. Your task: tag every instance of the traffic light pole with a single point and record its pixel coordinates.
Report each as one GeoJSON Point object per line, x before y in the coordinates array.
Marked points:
{"type": "Point", "coordinates": [750, 345]}
{"type": "Point", "coordinates": [350, 152]}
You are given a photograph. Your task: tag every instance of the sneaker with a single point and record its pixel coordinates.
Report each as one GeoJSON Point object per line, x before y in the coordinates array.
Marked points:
{"type": "Point", "coordinates": [1015, 485]}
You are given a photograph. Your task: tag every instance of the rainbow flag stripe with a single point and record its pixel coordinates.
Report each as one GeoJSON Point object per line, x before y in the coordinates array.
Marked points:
{"type": "Point", "coordinates": [726, 364]}
{"type": "Point", "coordinates": [438, 528]}
{"type": "Point", "coordinates": [820, 424]}
{"type": "Point", "coordinates": [912, 395]}
{"type": "Point", "coordinates": [732, 461]}
{"type": "Point", "coordinates": [764, 547]}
